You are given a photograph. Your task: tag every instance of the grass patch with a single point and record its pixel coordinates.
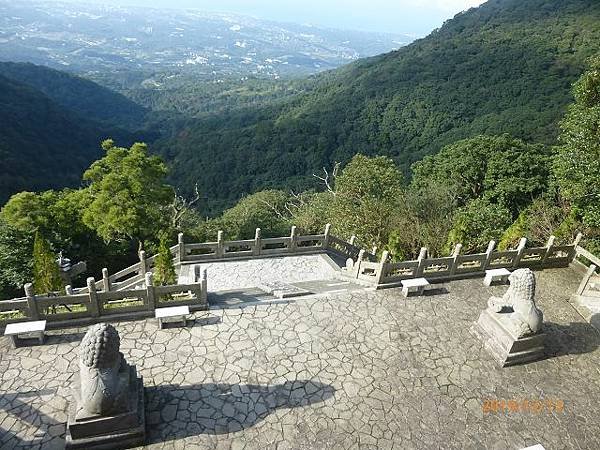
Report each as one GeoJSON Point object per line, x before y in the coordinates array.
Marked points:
{"type": "Point", "coordinates": [178, 297]}
{"type": "Point", "coordinates": [124, 303]}
{"type": "Point", "coordinates": [11, 315]}
{"type": "Point", "coordinates": [65, 309]}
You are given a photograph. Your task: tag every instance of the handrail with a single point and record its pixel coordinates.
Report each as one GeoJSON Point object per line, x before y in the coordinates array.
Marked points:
{"type": "Point", "coordinates": [580, 251]}
{"type": "Point", "coordinates": [92, 305]}
{"type": "Point", "coordinates": [133, 275]}
{"type": "Point", "coordinates": [458, 265]}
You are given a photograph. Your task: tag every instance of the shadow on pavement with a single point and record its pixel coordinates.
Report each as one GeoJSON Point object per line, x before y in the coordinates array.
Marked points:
{"type": "Point", "coordinates": [174, 411]}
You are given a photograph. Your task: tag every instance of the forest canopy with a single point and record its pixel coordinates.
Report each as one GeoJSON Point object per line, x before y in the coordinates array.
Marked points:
{"type": "Point", "coordinates": [471, 134]}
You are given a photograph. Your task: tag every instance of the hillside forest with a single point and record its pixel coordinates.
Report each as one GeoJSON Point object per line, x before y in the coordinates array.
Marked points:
{"type": "Point", "coordinates": [488, 128]}
{"type": "Point", "coordinates": [474, 190]}
{"type": "Point", "coordinates": [504, 67]}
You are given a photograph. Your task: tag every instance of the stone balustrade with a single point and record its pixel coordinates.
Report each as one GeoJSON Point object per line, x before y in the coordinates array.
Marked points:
{"type": "Point", "coordinates": [131, 291]}
{"type": "Point", "coordinates": [95, 305]}
{"type": "Point", "coordinates": [386, 273]}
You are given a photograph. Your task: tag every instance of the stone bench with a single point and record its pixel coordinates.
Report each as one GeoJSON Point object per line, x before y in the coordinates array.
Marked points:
{"type": "Point", "coordinates": [414, 285]}
{"type": "Point", "coordinates": [35, 328]}
{"type": "Point", "coordinates": [495, 275]}
{"type": "Point", "coordinates": [166, 315]}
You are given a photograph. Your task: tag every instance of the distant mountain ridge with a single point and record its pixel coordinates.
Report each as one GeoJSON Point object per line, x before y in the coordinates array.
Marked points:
{"type": "Point", "coordinates": [44, 145]}
{"type": "Point", "coordinates": [82, 96]}
{"type": "Point", "coordinates": [505, 67]}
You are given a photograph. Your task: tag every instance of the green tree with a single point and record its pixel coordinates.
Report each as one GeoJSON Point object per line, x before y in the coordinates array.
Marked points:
{"type": "Point", "coordinates": [311, 211]}
{"type": "Point", "coordinates": [46, 273]}
{"type": "Point", "coordinates": [478, 223]}
{"type": "Point", "coordinates": [505, 170]}
{"type": "Point", "coordinates": [461, 166]}
{"type": "Point", "coordinates": [262, 210]}
{"type": "Point", "coordinates": [423, 219]}
{"type": "Point", "coordinates": [543, 218]}
{"type": "Point", "coordinates": [31, 211]}
{"type": "Point", "coordinates": [164, 269]}
{"type": "Point", "coordinates": [366, 195]}
{"type": "Point", "coordinates": [128, 194]}
{"type": "Point", "coordinates": [15, 259]}
{"type": "Point", "coordinates": [577, 166]}
{"type": "Point", "coordinates": [57, 215]}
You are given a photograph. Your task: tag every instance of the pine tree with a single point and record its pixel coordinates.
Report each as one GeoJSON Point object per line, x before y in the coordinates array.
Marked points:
{"type": "Point", "coordinates": [46, 274]}
{"type": "Point", "coordinates": [164, 269]}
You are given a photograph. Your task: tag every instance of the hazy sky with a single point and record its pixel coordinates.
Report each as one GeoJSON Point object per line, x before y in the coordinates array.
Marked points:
{"type": "Point", "coordinates": [400, 16]}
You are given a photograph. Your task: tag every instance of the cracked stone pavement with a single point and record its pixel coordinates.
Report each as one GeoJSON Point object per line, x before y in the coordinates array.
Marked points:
{"type": "Point", "coordinates": [362, 369]}
{"type": "Point", "coordinates": [228, 275]}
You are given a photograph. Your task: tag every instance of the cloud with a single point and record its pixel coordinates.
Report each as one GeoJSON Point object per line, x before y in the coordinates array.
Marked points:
{"type": "Point", "coordinates": [398, 16]}
{"type": "Point", "coordinates": [445, 7]}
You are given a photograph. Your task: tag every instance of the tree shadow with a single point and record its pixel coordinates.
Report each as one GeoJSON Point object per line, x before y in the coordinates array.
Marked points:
{"type": "Point", "coordinates": [174, 411]}
{"type": "Point", "coordinates": [234, 298]}
{"type": "Point", "coordinates": [595, 321]}
{"type": "Point", "coordinates": [205, 321]}
{"type": "Point", "coordinates": [573, 339]}
{"type": "Point", "coordinates": [193, 322]}
{"type": "Point", "coordinates": [15, 403]}
{"type": "Point", "coordinates": [64, 338]}
{"type": "Point", "coordinates": [242, 298]}
{"type": "Point", "coordinates": [435, 290]}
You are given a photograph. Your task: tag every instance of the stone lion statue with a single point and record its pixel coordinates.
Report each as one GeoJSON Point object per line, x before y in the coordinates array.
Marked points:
{"type": "Point", "coordinates": [519, 304]}
{"type": "Point", "coordinates": [100, 366]}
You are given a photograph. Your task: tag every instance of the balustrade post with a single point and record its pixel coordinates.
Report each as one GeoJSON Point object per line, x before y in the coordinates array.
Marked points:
{"type": "Point", "coordinates": [576, 242]}
{"type": "Point", "coordinates": [220, 245]}
{"type": "Point", "coordinates": [586, 279]}
{"type": "Point", "coordinates": [488, 254]}
{"type": "Point", "coordinates": [31, 302]}
{"type": "Point", "coordinates": [94, 307]}
{"type": "Point", "coordinates": [326, 236]}
{"type": "Point", "coordinates": [520, 250]}
{"type": "Point", "coordinates": [257, 243]}
{"type": "Point", "coordinates": [150, 292]}
{"type": "Point", "coordinates": [361, 255]}
{"type": "Point", "coordinates": [421, 260]}
{"type": "Point", "coordinates": [381, 271]}
{"type": "Point", "coordinates": [204, 287]}
{"type": "Point", "coordinates": [293, 240]}
{"type": "Point", "coordinates": [143, 266]}
{"type": "Point", "coordinates": [549, 250]}
{"type": "Point", "coordinates": [105, 280]}
{"type": "Point", "coordinates": [352, 239]}
{"type": "Point", "coordinates": [455, 255]}
{"type": "Point", "coordinates": [180, 248]}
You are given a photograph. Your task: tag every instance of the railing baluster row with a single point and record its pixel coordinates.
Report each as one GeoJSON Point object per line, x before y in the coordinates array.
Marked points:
{"type": "Point", "coordinates": [387, 272]}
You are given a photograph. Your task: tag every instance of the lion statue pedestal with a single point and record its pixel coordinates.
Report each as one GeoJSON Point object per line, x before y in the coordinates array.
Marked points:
{"type": "Point", "coordinates": [511, 326]}
{"type": "Point", "coordinates": [108, 411]}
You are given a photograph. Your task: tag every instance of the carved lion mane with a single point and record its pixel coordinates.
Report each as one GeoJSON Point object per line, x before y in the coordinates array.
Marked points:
{"type": "Point", "coordinates": [100, 363]}
{"type": "Point", "coordinates": [519, 302]}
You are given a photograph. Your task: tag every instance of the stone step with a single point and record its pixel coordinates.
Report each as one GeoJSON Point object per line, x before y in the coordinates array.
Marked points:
{"type": "Point", "coordinates": [524, 356]}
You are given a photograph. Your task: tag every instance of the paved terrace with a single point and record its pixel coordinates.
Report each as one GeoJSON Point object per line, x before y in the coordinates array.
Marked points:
{"type": "Point", "coordinates": [356, 369]}
{"type": "Point", "coordinates": [249, 273]}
